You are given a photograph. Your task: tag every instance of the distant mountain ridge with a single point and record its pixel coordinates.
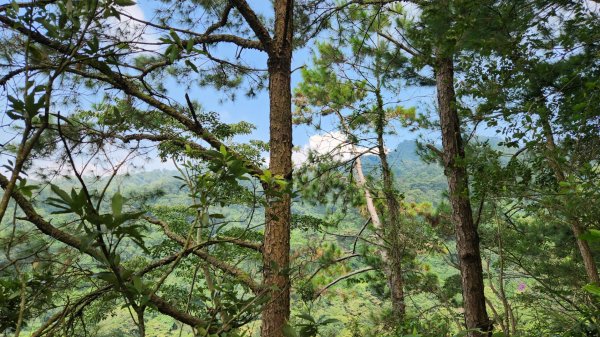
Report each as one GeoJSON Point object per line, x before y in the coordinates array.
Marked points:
{"type": "Point", "coordinates": [416, 180]}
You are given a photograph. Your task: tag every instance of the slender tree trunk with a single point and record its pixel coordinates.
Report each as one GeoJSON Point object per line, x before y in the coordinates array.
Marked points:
{"type": "Point", "coordinates": [361, 181]}
{"type": "Point", "coordinates": [141, 323]}
{"type": "Point", "coordinates": [276, 248]}
{"type": "Point", "coordinates": [360, 178]}
{"type": "Point", "coordinates": [392, 228]}
{"type": "Point", "coordinates": [467, 238]}
{"type": "Point", "coordinates": [584, 248]}
{"type": "Point", "coordinates": [511, 323]}
{"type": "Point", "coordinates": [393, 275]}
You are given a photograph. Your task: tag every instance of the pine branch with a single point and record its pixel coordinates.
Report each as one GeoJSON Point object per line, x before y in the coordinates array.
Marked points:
{"type": "Point", "coordinates": [255, 24]}
{"type": "Point", "coordinates": [237, 273]}
{"type": "Point", "coordinates": [341, 278]}
{"type": "Point", "coordinates": [128, 87]}
{"type": "Point", "coordinates": [72, 241]}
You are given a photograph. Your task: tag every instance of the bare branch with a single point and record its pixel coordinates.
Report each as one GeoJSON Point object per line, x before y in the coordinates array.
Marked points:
{"type": "Point", "coordinates": [435, 150]}
{"type": "Point", "coordinates": [343, 258]}
{"type": "Point", "coordinates": [239, 274]}
{"type": "Point", "coordinates": [16, 72]}
{"type": "Point", "coordinates": [254, 22]}
{"type": "Point", "coordinates": [39, 3]}
{"type": "Point", "coordinates": [399, 44]}
{"type": "Point", "coordinates": [341, 278]}
{"type": "Point", "coordinates": [130, 88]}
{"type": "Point", "coordinates": [72, 241]}
{"type": "Point", "coordinates": [207, 37]}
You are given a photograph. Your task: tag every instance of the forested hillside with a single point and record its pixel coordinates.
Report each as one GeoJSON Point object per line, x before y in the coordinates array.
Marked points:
{"type": "Point", "coordinates": [300, 168]}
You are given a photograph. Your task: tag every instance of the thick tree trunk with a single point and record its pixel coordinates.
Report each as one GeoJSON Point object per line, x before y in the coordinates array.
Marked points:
{"type": "Point", "coordinates": [276, 248]}
{"type": "Point", "coordinates": [584, 248]}
{"type": "Point", "coordinates": [467, 238]}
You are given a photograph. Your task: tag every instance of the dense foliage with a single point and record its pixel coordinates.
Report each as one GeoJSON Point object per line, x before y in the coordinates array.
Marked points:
{"type": "Point", "coordinates": [487, 223]}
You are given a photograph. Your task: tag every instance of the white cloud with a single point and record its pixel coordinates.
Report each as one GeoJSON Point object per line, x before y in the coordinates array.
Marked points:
{"type": "Point", "coordinates": [334, 144]}
{"type": "Point", "coordinates": [131, 27]}
{"type": "Point", "coordinates": [104, 163]}
{"type": "Point", "coordinates": [412, 11]}
{"type": "Point", "coordinates": [592, 6]}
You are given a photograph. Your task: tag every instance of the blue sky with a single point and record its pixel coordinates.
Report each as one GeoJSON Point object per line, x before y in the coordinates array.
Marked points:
{"type": "Point", "coordinates": [256, 109]}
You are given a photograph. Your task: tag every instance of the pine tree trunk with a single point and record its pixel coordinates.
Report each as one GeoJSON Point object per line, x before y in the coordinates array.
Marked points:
{"type": "Point", "coordinates": [392, 270]}
{"type": "Point", "coordinates": [392, 227]}
{"type": "Point", "coordinates": [467, 238]}
{"type": "Point", "coordinates": [392, 234]}
{"type": "Point", "coordinates": [276, 247]}
{"type": "Point", "coordinates": [584, 248]}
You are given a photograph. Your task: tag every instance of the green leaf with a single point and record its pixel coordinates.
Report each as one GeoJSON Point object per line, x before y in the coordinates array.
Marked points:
{"type": "Point", "coordinates": [93, 44]}
{"type": "Point", "coordinates": [175, 37]}
{"type": "Point", "coordinates": [117, 204]}
{"type": "Point", "coordinates": [107, 276]}
{"type": "Point", "coordinates": [189, 45]}
{"type": "Point", "coordinates": [30, 105]}
{"type": "Point", "coordinates": [191, 65]}
{"type": "Point", "coordinates": [103, 67]}
{"type": "Point", "coordinates": [172, 53]}
{"type": "Point", "coordinates": [307, 317]}
{"type": "Point", "coordinates": [124, 3]}
{"type": "Point", "coordinates": [137, 283]}
{"type": "Point", "coordinates": [592, 289]}
{"type": "Point", "coordinates": [329, 321]}
{"type": "Point", "coordinates": [62, 194]}
{"type": "Point", "coordinates": [591, 235]}
{"type": "Point", "coordinates": [288, 331]}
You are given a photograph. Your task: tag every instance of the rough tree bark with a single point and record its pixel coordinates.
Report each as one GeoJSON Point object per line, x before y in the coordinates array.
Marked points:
{"type": "Point", "coordinates": [467, 238]}
{"type": "Point", "coordinates": [278, 213]}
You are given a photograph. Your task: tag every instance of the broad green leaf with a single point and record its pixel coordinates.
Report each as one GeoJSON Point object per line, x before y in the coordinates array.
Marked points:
{"type": "Point", "coordinates": [590, 235]}
{"type": "Point", "coordinates": [329, 321]}
{"type": "Point", "coordinates": [137, 283]}
{"type": "Point", "coordinates": [592, 289]}
{"type": "Point", "coordinates": [191, 65]}
{"type": "Point", "coordinates": [175, 37]}
{"type": "Point", "coordinates": [61, 193]}
{"type": "Point", "coordinates": [307, 317]}
{"type": "Point", "coordinates": [117, 204]}
{"type": "Point", "coordinates": [189, 46]}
